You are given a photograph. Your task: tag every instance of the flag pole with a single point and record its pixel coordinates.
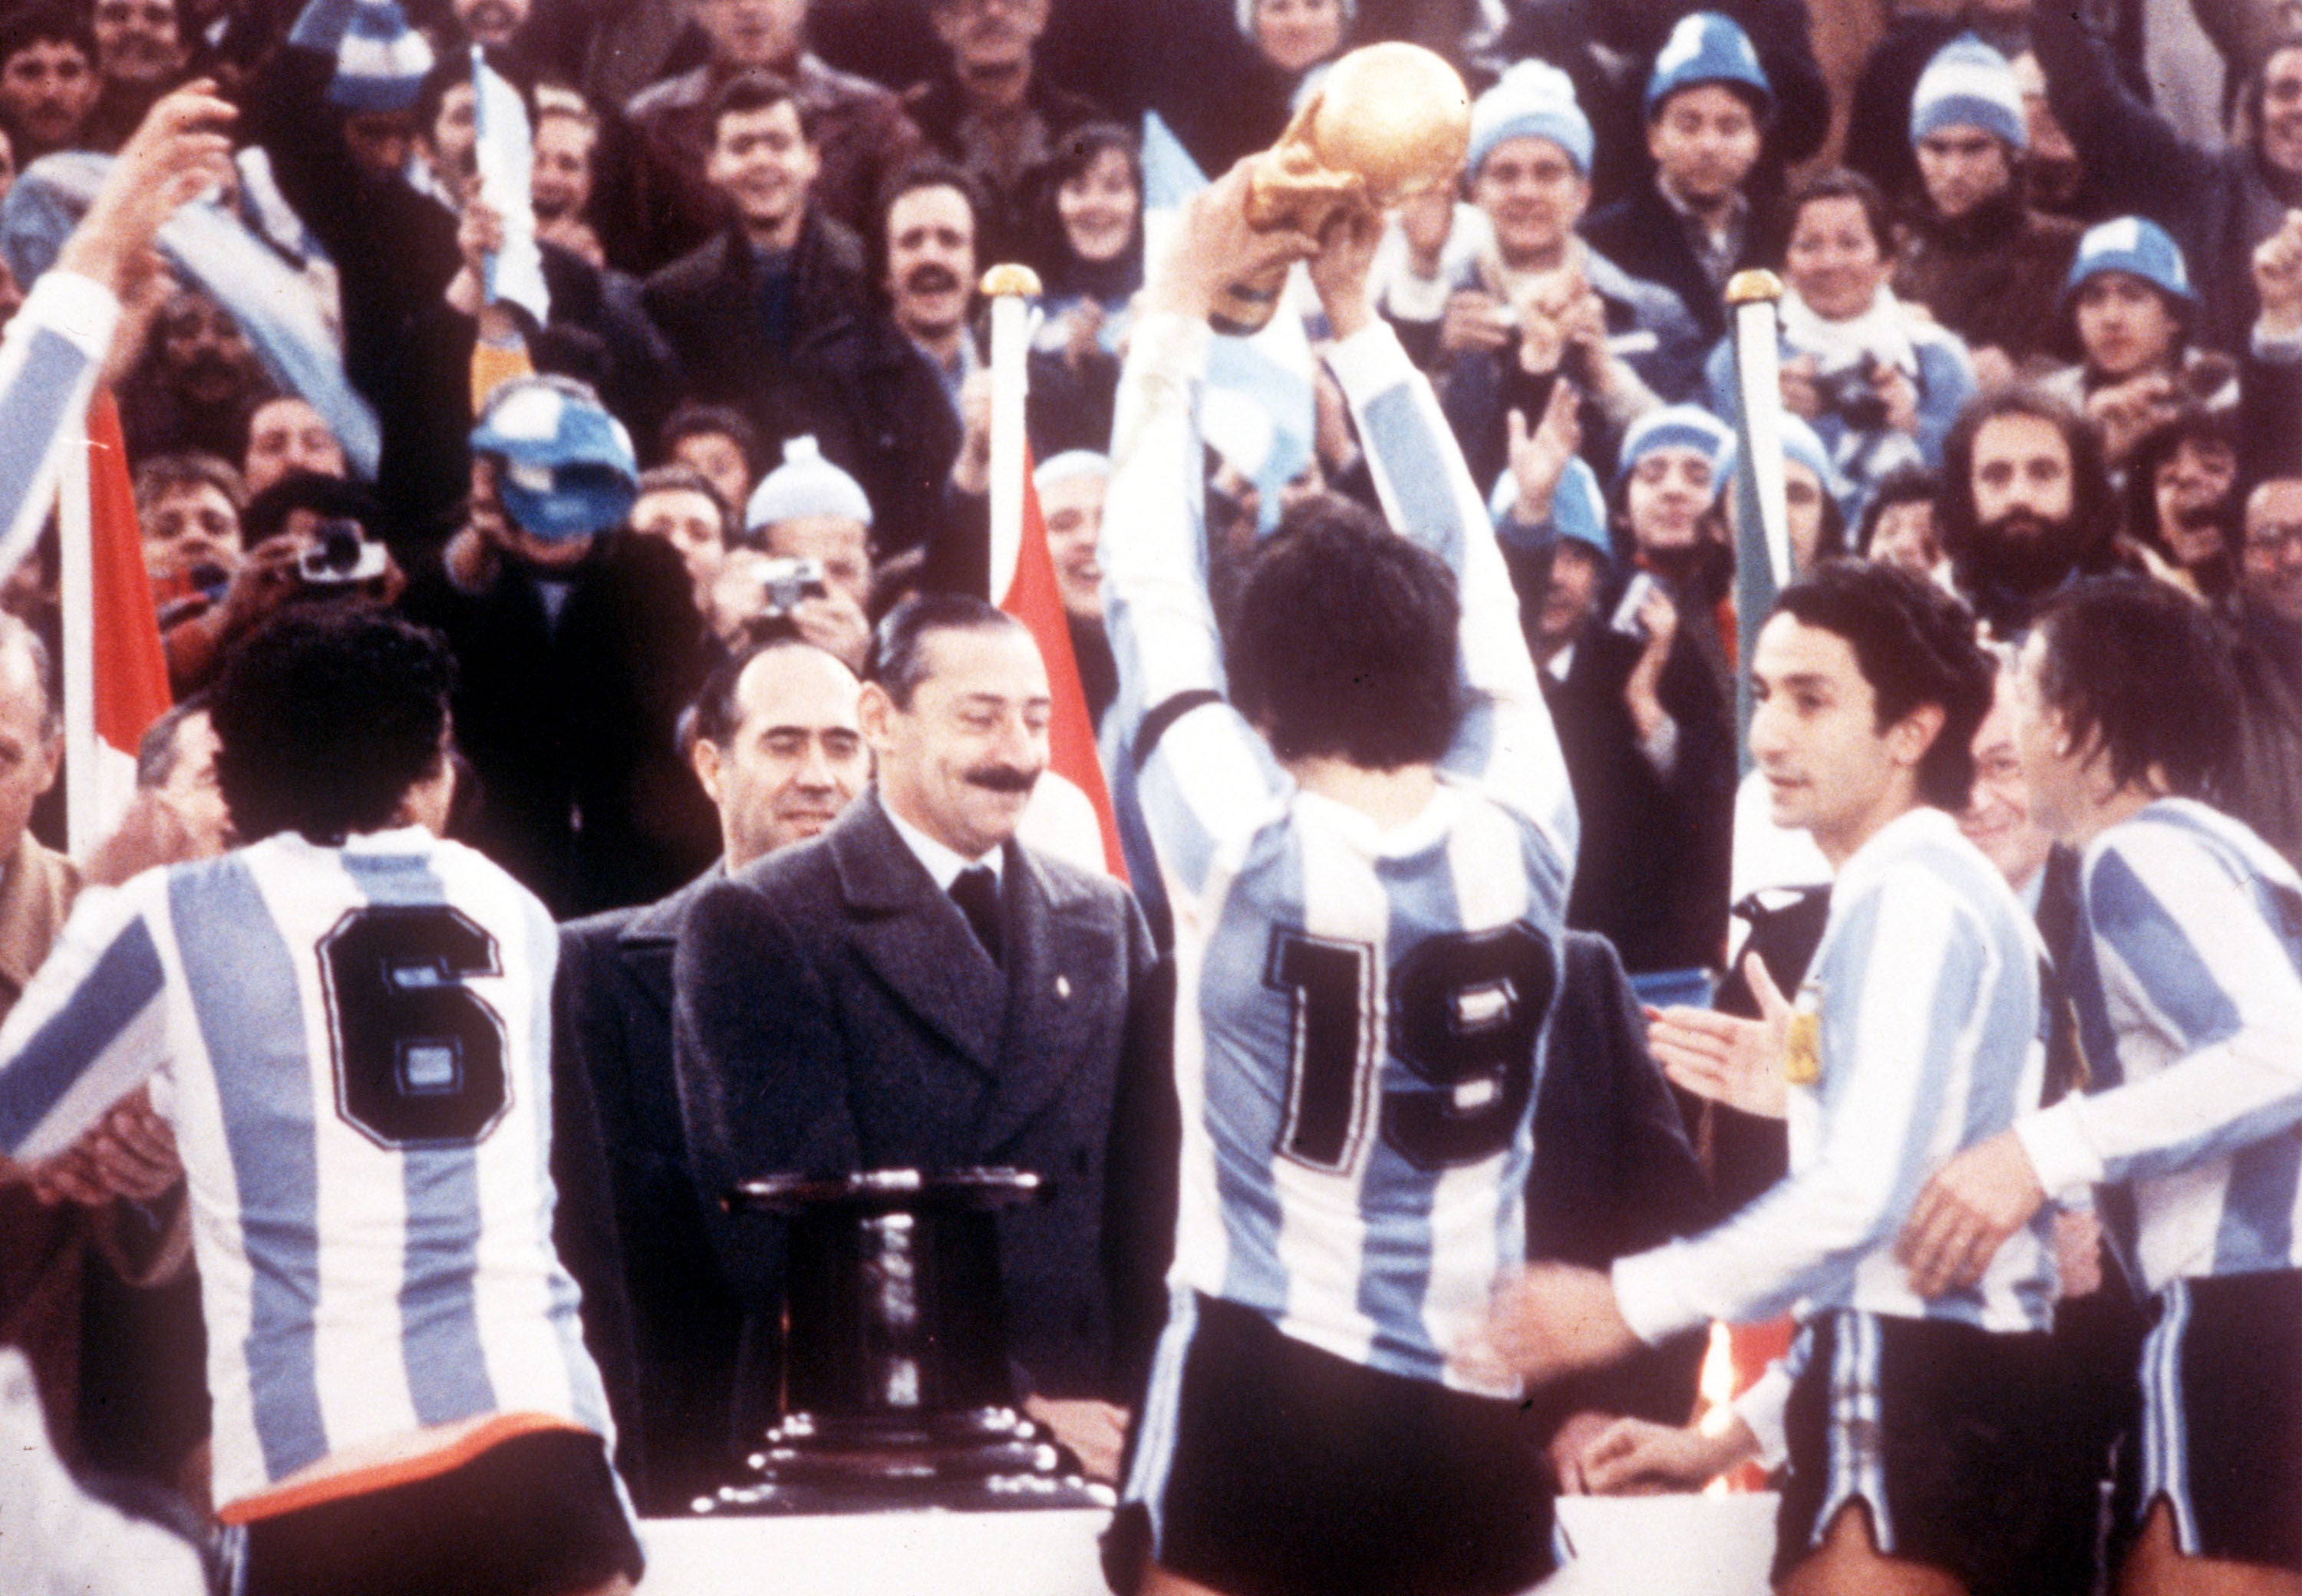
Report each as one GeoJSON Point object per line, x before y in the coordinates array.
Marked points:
{"type": "Point", "coordinates": [1011, 289]}
{"type": "Point", "coordinates": [1762, 551]}
{"type": "Point", "coordinates": [76, 592]}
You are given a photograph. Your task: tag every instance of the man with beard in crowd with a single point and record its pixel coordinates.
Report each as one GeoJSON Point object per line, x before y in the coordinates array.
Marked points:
{"type": "Point", "coordinates": [196, 386]}
{"type": "Point", "coordinates": [2026, 506]}
{"type": "Point", "coordinates": [48, 79]}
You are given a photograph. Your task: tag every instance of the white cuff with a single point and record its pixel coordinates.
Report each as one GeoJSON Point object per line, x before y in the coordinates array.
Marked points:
{"type": "Point", "coordinates": [77, 309]}
{"type": "Point", "coordinates": [1760, 1409]}
{"type": "Point", "coordinates": [1646, 1296]}
{"type": "Point", "coordinates": [1369, 362]}
{"type": "Point", "coordinates": [2283, 350]}
{"type": "Point", "coordinates": [2059, 1152]}
{"type": "Point", "coordinates": [1169, 345]}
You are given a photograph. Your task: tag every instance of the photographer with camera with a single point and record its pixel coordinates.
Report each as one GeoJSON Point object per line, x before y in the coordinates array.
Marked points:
{"type": "Point", "coordinates": [805, 568]}
{"type": "Point", "coordinates": [577, 644]}
{"type": "Point", "coordinates": [1878, 381]}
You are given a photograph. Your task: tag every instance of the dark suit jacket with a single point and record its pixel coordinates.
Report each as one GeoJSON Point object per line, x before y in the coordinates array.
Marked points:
{"type": "Point", "coordinates": [1613, 1175]}
{"type": "Point", "coordinates": [835, 1012]}
{"type": "Point", "coordinates": [611, 1033]}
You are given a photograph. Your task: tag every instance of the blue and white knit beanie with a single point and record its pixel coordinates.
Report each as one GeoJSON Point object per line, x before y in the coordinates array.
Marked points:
{"type": "Point", "coordinates": [1968, 84]}
{"type": "Point", "coordinates": [2133, 245]}
{"type": "Point", "coordinates": [567, 465]}
{"type": "Point", "coordinates": [380, 63]}
{"type": "Point", "coordinates": [1533, 99]}
{"type": "Point", "coordinates": [1706, 47]}
{"type": "Point", "coordinates": [1800, 444]}
{"type": "Point", "coordinates": [805, 485]}
{"type": "Point", "coordinates": [1578, 507]}
{"type": "Point", "coordinates": [1677, 426]}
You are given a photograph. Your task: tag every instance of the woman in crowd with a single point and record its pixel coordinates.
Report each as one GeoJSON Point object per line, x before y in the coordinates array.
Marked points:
{"type": "Point", "coordinates": [1878, 381]}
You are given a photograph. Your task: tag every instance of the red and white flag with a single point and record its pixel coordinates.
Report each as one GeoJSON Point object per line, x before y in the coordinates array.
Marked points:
{"type": "Point", "coordinates": [112, 636]}
{"type": "Point", "coordinates": [1071, 813]}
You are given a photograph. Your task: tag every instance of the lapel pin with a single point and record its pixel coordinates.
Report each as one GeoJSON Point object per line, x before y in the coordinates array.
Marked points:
{"type": "Point", "coordinates": [1062, 985]}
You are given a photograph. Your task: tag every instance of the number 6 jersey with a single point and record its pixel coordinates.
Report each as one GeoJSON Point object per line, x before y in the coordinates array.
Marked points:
{"type": "Point", "coordinates": [1360, 1010]}
{"type": "Point", "coordinates": [352, 1045]}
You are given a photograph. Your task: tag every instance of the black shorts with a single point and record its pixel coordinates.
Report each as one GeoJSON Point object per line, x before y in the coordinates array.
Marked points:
{"type": "Point", "coordinates": [537, 1514]}
{"type": "Point", "coordinates": [2221, 1418]}
{"type": "Point", "coordinates": [1958, 1441]}
{"type": "Point", "coordinates": [1267, 1468]}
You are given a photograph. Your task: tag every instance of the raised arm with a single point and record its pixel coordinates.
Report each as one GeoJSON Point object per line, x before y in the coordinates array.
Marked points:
{"type": "Point", "coordinates": [1201, 768]}
{"type": "Point", "coordinates": [57, 343]}
{"type": "Point", "coordinates": [1507, 742]}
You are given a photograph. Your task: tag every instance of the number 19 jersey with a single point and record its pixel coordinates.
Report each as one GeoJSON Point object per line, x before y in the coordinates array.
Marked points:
{"type": "Point", "coordinates": [353, 1046]}
{"type": "Point", "coordinates": [1358, 1049]}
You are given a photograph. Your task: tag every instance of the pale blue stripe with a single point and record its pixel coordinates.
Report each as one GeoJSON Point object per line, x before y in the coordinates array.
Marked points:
{"type": "Point", "coordinates": [1415, 466]}
{"type": "Point", "coordinates": [122, 983]}
{"type": "Point", "coordinates": [245, 997]}
{"type": "Point", "coordinates": [439, 1309]}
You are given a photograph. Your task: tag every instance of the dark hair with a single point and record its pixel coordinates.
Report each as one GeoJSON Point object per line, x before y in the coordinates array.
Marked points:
{"type": "Point", "coordinates": [898, 648]}
{"type": "Point", "coordinates": [2144, 673]}
{"type": "Point", "coordinates": [692, 420]}
{"type": "Point", "coordinates": [2287, 37]}
{"type": "Point", "coordinates": [1915, 645]}
{"type": "Point", "coordinates": [2092, 510]}
{"type": "Point", "coordinates": [325, 718]}
{"type": "Point", "coordinates": [18, 633]}
{"type": "Point", "coordinates": [1837, 183]}
{"type": "Point", "coordinates": [756, 88]}
{"type": "Point", "coordinates": [330, 497]}
{"type": "Point", "coordinates": [1343, 641]}
{"type": "Point", "coordinates": [157, 753]}
{"type": "Point", "coordinates": [1049, 246]}
{"type": "Point", "coordinates": [715, 714]}
{"type": "Point", "coordinates": [161, 474]}
{"type": "Point", "coordinates": [687, 478]}
{"type": "Point", "coordinates": [928, 172]}
{"type": "Point", "coordinates": [455, 67]}
{"type": "Point", "coordinates": [2192, 422]}
{"type": "Point", "coordinates": [47, 24]}
{"type": "Point", "coordinates": [1906, 484]}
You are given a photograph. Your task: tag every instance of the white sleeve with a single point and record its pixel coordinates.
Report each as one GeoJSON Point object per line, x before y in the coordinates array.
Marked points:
{"type": "Point", "coordinates": [49, 359]}
{"type": "Point", "coordinates": [90, 1027]}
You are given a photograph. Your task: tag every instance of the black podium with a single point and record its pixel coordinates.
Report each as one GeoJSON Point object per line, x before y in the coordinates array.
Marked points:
{"type": "Point", "coordinates": [896, 1393]}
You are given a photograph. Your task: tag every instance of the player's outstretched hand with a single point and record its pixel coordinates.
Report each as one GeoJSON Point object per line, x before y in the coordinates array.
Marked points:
{"type": "Point", "coordinates": [1341, 268]}
{"type": "Point", "coordinates": [1725, 1057]}
{"type": "Point", "coordinates": [1213, 247]}
{"type": "Point", "coordinates": [1548, 1319]}
{"type": "Point", "coordinates": [1966, 1212]}
{"type": "Point", "coordinates": [1638, 1457]}
{"type": "Point", "coordinates": [180, 148]}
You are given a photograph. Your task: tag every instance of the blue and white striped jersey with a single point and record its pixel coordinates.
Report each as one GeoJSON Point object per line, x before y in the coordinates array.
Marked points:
{"type": "Point", "coordinates": [353, 1047]}
{"type": "Point", "coordinates": [1919, 1033]}
{"type": "Point", "coordinates": [2188, 990]}
{"type": "Point", "coordinates": [1360, 1011]}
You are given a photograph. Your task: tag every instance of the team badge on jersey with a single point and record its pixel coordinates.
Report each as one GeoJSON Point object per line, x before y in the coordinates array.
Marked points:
{"type": "Point", "coordinates": [1802, 1048]}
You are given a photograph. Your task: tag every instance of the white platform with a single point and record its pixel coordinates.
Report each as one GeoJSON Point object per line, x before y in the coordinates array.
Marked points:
{"type": "Point", "coordinates": [1631, 1546]}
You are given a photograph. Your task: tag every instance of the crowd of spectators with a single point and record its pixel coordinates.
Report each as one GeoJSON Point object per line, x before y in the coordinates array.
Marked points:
{"type": "Point", "coordinates": [2035, 327]}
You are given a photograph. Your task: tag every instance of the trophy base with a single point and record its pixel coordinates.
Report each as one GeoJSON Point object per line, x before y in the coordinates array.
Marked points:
{"type": "Point", "coordinates": [986, 1459]}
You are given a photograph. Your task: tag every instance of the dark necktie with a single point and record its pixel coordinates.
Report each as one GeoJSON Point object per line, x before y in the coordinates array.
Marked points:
{"type": "Point", "coordinates": [977, 894]}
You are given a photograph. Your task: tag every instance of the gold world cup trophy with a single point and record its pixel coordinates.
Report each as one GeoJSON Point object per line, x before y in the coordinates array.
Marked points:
{"type": "Point", "coordinates": [1387, 123]}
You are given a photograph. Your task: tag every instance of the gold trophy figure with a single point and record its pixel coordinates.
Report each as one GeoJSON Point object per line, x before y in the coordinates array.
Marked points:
{"type": "Point", "coordinates": [1387, 123]}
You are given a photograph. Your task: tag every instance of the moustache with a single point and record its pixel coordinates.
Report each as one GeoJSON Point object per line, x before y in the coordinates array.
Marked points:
{"type": "Point", "coordinates": [930, 279]}
{"type": "Point", "coordinates": [1003, 778]}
